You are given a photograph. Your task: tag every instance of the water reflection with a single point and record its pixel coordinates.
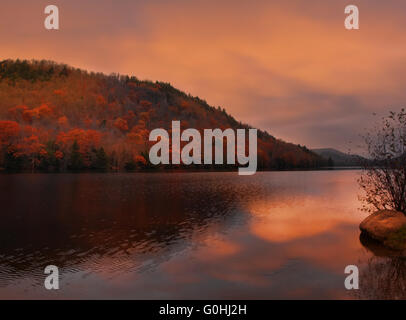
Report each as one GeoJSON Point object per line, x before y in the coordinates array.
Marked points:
{"type": "Point", "coordinates": [383, 278]}
{"type": "Point", "coordinates": [70, 219]}
{"type": "Point", "coordinates": [196, 235]}
{"type": "Point", "coordinates": [383, 275]}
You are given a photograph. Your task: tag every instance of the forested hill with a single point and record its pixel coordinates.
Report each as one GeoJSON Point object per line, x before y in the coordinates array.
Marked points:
{"type": "Point", "coordinates": [340, 159]}
{"type": "Point", "coordinates": [57, 118]}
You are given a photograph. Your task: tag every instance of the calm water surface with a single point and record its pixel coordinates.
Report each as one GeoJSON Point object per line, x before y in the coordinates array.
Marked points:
{"type": "Point", "coordinates": [189, 236]}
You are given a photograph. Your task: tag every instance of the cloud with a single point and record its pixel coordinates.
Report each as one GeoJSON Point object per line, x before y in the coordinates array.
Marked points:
{"type": "Point", "coordinates": [287, 67]}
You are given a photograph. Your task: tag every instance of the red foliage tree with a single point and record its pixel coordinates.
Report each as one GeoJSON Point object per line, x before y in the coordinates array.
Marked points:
{"type": "Point", "coordinates": [121, 124]}
{"type": "Point", "coordinates": [8, 131]}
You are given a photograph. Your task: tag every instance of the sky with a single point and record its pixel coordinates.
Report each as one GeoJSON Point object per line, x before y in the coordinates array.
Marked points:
{"type": "Point", "coordinates": [288, 67]}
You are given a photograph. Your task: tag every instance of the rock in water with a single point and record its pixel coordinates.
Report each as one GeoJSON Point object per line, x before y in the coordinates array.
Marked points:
{"type": "Point", "coordinates": [382, 224]}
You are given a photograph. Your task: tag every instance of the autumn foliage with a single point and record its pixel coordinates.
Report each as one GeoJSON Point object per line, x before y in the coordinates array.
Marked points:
{"type": "Point", "coordinates": [57, 118]}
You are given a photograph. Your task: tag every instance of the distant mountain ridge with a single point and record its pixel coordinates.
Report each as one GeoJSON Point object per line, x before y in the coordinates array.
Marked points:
{"type": "Point", "coordinates": [338, 158]}
{"type": "Point", "coordinates": [54, 117]}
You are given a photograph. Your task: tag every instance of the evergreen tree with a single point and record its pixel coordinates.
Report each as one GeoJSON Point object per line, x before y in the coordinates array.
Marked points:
{"type": "Point", "coordinates": [75, 161]}
{"type": "Point", "coordinates": [330, 162]}
{"type": "Point", "coordinates": [101, 161]}
{"type": "Point", "coordinates": [12, 163]}
{"type": "Point", "coordinates": [64, 72]}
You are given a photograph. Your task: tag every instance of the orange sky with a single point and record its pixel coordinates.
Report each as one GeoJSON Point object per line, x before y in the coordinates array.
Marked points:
{"type": "Point", "coordinates": [289, 67]}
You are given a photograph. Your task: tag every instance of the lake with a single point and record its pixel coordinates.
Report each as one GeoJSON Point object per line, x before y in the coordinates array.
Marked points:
{"type": "Point", "coordinates": [274, 235]}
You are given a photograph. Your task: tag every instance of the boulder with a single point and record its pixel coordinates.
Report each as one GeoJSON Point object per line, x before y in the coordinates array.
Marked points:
{"type": "Point", "coordinates": [380, 249]}
{"type": "Point", "coordinates": [383, 224]}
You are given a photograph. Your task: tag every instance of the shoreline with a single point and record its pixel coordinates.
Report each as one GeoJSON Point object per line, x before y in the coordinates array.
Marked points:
{"type": "Point", "coordinates": [3, 172]}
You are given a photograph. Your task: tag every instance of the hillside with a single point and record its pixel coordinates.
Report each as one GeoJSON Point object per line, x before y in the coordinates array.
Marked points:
{"type": "Point", "coordinates": [339, 159]}
{"type": "Point", "coordinates": [57, 118]}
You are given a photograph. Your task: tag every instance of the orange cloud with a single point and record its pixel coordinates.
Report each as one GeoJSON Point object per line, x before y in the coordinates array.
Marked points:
{"type": "Point", "coordinates": [279, 66]}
